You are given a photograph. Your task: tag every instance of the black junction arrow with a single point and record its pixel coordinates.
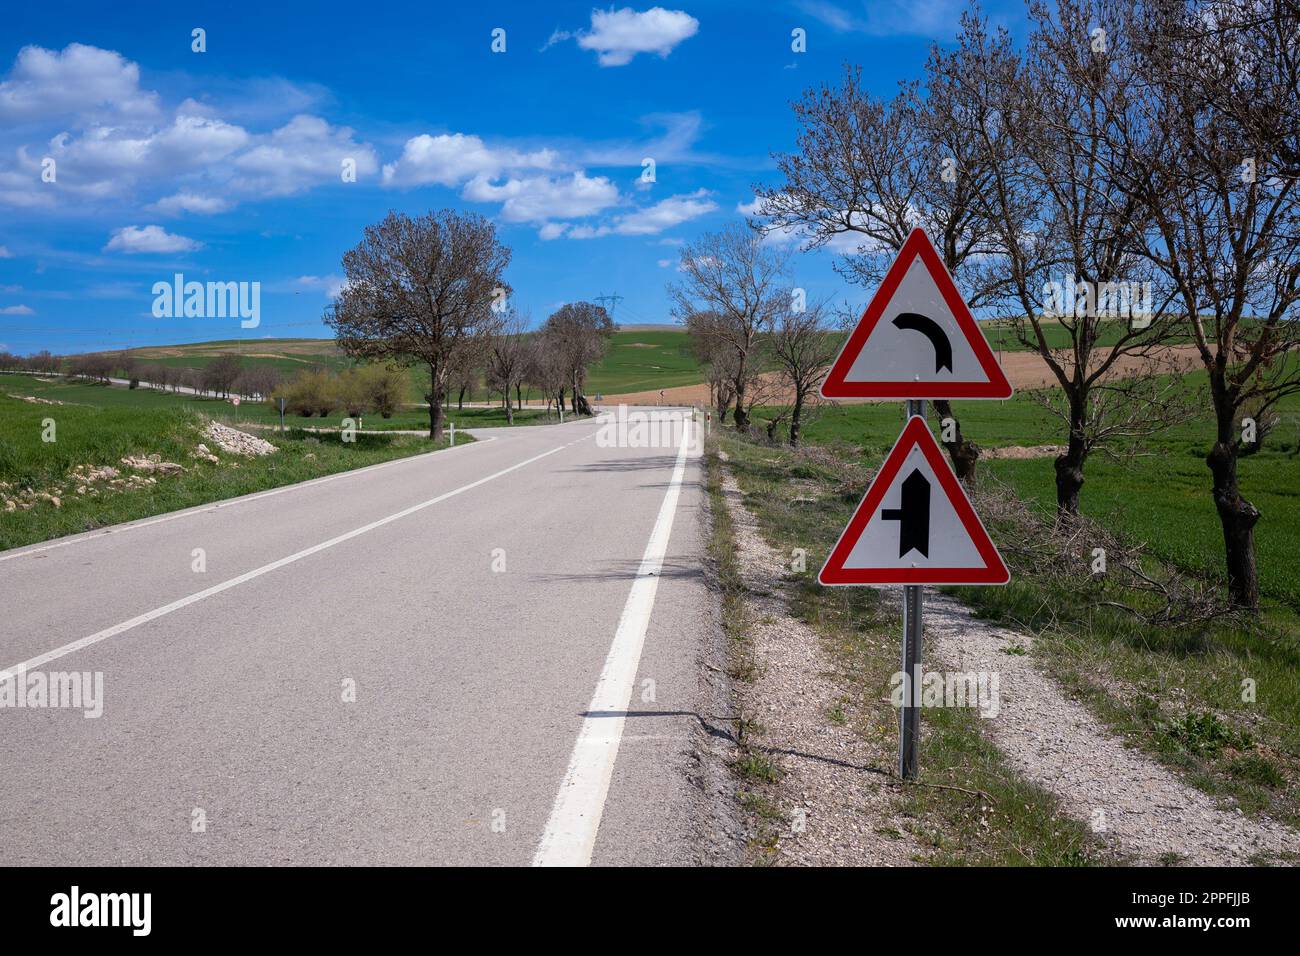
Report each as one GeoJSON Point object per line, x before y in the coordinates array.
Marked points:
{"type": "Point", "coordinates": [914, 516]}
{"type": "Point", "coordinates": [916, 322]}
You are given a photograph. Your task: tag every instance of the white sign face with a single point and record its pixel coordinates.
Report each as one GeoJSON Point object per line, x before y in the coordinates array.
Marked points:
{"type": "Point", "coordinates": [916, 339]}
{"type": "Point", "coordinates": [915, 525]}
{"type": "Point", "coordinates": [938, 539]}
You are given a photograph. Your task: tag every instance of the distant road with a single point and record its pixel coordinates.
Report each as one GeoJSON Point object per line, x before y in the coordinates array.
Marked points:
{"type": "Point", "coordinates": [479, 601]}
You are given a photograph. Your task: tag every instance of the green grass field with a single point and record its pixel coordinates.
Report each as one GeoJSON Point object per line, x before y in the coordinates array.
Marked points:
{"type": "Point", "coordinates": [1159, 494]}
{"type": "Point", "coordinates": [1158, 686]}
{"type": "Point", "coordinates": [643, 360]}
{"type": "Point", "coordinates": [122, 422]}
{"type": "Point", "coordinates": [638, 360]}
{"type": "Point", "coordinates": [77, 392]}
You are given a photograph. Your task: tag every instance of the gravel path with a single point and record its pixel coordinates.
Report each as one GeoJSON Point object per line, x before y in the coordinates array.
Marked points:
{"type": "Point", "coordinates": [1137, 805]}
{"type": "Point", "coordinates": [830, 782]}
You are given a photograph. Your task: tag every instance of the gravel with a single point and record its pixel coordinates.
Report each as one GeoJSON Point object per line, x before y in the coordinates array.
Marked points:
{"type": "Point", "coordinates": [831, 773]}
{"type": "Point", "coordinates": [234, 442]}
{"type": "Point", "coordinates": [1136, 805]}
{"type": "Point", "coordinates": [1129, 800]}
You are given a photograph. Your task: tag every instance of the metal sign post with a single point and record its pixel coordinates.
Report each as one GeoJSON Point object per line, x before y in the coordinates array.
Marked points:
{"type": "Point", "coordinates": [917, 341]}
{"type": "Point", "coordinates": [282, 402]}
{"type": "Point", "coordinates": [909, 720]}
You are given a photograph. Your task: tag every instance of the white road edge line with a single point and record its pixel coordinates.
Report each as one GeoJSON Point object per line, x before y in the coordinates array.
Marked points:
{"type": "Point", "coordinates": [570, 835]}
{"type": "Point", "coordinates": [224, 503]}
{"type": "Point", "coordinates": [7, 673]}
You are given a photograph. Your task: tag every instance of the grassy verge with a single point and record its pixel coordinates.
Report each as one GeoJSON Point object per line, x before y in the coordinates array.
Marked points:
{"type": "Point", "coordinates": [973, 809]}
{"type": "Point", "coordinates": [74, 392]}
{"type": "Point", "coordinates": [1219, 701]}
{"type": "Point", "coordinates": [754, 770]}
{"type": "Point", "coordinates": [97, 436]}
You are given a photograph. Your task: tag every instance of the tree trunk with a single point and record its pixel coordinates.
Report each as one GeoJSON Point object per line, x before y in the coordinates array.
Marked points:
{"type": "Point", "coordinates": [741, 415]}
{"type": "Point", "coordinates": [1237, 515]}
{"type": "Point", "coordinates": [434, 398]}
{"type": "Point", "coordinates": [1069, 466]}
{"type": "Point", "coordinates": [964, 454]}
{"type": "Point", "coordinates": [580, 404]}
{"type": "Point", "coordinates": [519, 396]}
{"type": "Point", "coordinates": [460, 400]}
{"type": "Point", "coordinates": [510, 410]}
{"type": "Point", "coordinates": [796, 414]}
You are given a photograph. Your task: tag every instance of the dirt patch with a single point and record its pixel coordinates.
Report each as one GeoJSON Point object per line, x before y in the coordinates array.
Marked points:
{"type": "Point", "coordinates": [1023, 451]}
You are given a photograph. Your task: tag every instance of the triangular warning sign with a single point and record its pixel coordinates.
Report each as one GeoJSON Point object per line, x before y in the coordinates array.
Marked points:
{"type": "Point", "coordinates": [915, 525]}
{"type": "Point", "coordinates": [916, 338]}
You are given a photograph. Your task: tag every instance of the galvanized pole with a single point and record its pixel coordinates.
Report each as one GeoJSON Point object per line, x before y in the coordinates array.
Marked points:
{"type": "Point", "coordinates": [909, 726]}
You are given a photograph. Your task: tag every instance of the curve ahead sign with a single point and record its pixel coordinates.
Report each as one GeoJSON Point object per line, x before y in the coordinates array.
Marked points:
{"type": "Point", "coordinates": [916, 339]}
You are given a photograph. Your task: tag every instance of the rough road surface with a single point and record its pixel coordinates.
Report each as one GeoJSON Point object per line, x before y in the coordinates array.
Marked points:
{"type": "Point", "coordinates": [467, 600]}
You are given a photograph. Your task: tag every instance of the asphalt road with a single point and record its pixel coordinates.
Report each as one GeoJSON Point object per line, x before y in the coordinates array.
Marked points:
{"type": "Point", "coordinates": [478, 601]}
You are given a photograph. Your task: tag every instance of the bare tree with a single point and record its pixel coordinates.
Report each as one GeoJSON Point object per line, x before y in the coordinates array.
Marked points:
{"type": "Point", "coordinates": [741, 279]}
{"type": "Point", "coordinates": [1054, 127]}
{"type": "Point", "coordinates": [220, 374]}
{"type": "Point", "coordinates": [422, 291]}
{"type": "Point", "coordinates": [872, 170]}
{"type": "Point", "coordinates": [1223, 192]}
{"type": "Point", "coordinates": [258, 381]}
{"type": "Point", "coordinates": [716, 356]}
{"type": "Point", "coordinates": [803, 348]}
{"type": "Point", "coordinates": [508, 361]}
{"type": "Point", "coordinates": [544, 369]}
{"type": "Point", "coordinates": [579, 334]}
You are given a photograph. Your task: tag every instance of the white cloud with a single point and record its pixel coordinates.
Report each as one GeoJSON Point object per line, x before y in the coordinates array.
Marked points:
{"type": "Point", "coordinates": [17, 310]}
{"type": "Point", "coordinates": [888, 17]}
{"type": "Point", "coordinates": [119, 141]}
{"type": "Point", "coordinates": [185, 201]}
{"type": "Point", "coordinates": [452, 159]}
{"type": "Point", "coordinates": [552, 230]}
{"type": "Point", "coordinates": [331, 285]}
{"type": "Point", "coordinates": [664, 214]}
{"type": "Point", "coordinates": [78, 79]}
{"type": "Point", "coordinates": [542, 198]}
{"type": "Point", "coordinates": [619, 35]}
{"type": "Point", "coordinates": [148, 239]}
{"type": "Point", "coordinates": [5, 253]}
{"type": "Point", "coordinates": [307, 151]}
{"type": "Point", "coordinates": [107, 159]}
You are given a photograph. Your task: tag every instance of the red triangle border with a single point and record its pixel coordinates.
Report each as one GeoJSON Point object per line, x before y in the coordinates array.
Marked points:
{"type": "Point", "coordinates": [917, 244]}
{"type": "Point", "coordinates": [915, 433]}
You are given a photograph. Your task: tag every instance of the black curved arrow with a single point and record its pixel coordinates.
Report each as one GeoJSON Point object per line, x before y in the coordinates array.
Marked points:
{"type": "Point", "coordinates": [916, 322]}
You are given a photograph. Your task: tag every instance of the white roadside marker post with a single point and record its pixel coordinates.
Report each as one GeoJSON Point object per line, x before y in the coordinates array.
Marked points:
{"type": "Point", "coordinates": [452, 441]}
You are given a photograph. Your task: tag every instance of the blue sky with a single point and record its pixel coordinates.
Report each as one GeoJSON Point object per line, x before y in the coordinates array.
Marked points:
{"type": "Point", "coordinates": [225, 165]}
